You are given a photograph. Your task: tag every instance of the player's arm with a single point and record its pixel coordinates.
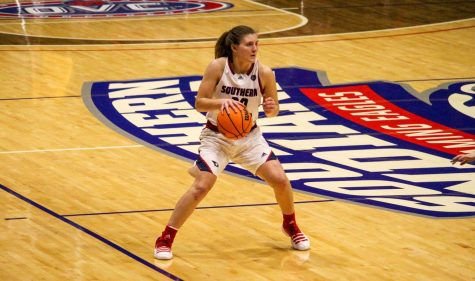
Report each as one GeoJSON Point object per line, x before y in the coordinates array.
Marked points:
{"type": "Point", "coordinates": [270, 102]}
{"type": "Point", "coordinates": [204, 99]}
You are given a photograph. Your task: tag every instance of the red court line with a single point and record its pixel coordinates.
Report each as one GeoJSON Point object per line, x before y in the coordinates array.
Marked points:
{"type": "Point", "coordinates": [262, 44]}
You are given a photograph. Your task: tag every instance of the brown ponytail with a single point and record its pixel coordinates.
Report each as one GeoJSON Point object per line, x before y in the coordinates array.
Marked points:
{"type": "Point", "coordinates": [231, 37]}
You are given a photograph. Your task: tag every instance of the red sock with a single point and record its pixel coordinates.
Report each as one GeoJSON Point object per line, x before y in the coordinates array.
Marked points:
{"type": "Point", "coordinates": [290, 224]}
{"type": "Point", "coordinates": [289, 219]}
{"type": "Point", "coordinates": [169, 233]}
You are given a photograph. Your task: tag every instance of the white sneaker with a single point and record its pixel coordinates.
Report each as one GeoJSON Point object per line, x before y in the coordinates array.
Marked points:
{"type": "Point", "coordinates": [163, 253]}
{"type": "Point", "coordinates": [299, 240]}
{"type": "Point", "coordinates": [163, 249]}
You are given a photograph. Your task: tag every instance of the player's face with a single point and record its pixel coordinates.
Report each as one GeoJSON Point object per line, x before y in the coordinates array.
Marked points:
{"type": "Point", "coordinates": [247, 48]}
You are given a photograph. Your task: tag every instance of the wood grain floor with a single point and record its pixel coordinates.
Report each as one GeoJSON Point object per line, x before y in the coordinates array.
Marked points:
{"type": "Point", "coordinates": [82, 202]}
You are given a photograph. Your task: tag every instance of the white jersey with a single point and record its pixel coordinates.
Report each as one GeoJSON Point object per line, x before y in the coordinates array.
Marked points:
{"type": "Point", "coordinates": [241, 87]}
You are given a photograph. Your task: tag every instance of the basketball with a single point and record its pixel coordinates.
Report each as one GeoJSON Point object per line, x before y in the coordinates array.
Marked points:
{"type": "Point", "coordinates": [235, 125]}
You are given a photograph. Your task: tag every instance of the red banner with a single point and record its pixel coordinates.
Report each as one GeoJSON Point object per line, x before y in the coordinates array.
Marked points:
{"type": "Point", "coordinates": [363, 106]}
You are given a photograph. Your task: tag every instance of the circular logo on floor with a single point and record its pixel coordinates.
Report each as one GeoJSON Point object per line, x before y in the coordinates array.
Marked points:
{"type": "Point", "coordinates": [108, 8]}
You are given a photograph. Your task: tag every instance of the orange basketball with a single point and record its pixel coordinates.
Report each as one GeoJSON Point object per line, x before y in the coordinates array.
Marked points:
{"type": "Point", "coordinates": [235, 125]}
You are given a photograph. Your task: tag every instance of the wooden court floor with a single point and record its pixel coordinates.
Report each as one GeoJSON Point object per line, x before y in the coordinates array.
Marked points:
{"type": "Point", "coordinates": [81, 201]}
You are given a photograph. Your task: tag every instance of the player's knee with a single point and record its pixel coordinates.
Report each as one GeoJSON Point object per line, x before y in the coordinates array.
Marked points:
{"type": "Point", "coordinates": [280, 181]}
{"type": "Point", "coordinates": [200, 190]}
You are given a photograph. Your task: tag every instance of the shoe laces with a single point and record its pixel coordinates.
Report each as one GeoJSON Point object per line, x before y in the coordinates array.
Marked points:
{"type": "Point", "coordinates": [163, 241]}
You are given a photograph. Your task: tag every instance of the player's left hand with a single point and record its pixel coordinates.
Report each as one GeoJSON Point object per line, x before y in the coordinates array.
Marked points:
{"type": "Point", "coordinates": [269, 105]}
{"type": "Point", "coordinates": [464, 158]}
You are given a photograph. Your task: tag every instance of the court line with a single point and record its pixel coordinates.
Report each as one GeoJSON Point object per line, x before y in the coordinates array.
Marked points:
{"type": "Point", "coordinates": [197, 208]}
{"type": "Point", "coordinates": [171, 209]}
{"type": "Point", "coordinates": [89, 232]}
{"type": "Point", "coordinates": [71, 149]}
{"type": "Point", "coordinates": [386, 5]}
{"type": "Point", "coordinates": [262, 41]}
{"type": "Point", "coordinates": [404, 28]}
{"type": "Point", "coordinates": [178, 16]}
{"type": "Point", "coordinates": [279, 12]}
{"type": "Point", "coordinates": [95, 20]}
{"type": "Point", "coordinates": [410, 80]}
{"type": "Point", "coordinates": [33, 98]}
{"type": "Point", "coordinates": [303, 20]}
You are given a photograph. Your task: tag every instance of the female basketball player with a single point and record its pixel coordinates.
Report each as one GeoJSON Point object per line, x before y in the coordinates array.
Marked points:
{"type": "Point", "coordinates": [235, 66]}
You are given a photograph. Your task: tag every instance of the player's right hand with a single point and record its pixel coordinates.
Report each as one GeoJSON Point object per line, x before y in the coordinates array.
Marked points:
{"type": "Point", "coordinates": [227, 104]}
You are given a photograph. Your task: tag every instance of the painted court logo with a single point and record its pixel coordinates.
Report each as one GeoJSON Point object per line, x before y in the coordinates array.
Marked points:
{"type": "Point", "coordinates": [371, 143]}
{"type": "Point", "coordinates": [108, 8]}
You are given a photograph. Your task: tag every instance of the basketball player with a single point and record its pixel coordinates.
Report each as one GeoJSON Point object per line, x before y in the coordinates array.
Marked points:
{"type": "Point", "coordinates": [235, 66]}
{"type": "Point", "coordinates": [464, 158]}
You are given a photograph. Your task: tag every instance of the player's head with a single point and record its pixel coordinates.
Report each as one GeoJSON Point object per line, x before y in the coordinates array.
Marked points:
{"type": "Point", "coordinates": [234, 37]}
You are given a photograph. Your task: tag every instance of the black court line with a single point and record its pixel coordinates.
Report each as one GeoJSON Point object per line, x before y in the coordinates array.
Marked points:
{"type": "Point", "coordinates": [410, 80]}
{"type": "Point", "coordinates": [37, 98]}
{"type": "Point", "coordinates": [198, 208]}
{"type": "Point", "coordinates": [171, 209]}
{"type": "Point", "coordinates": [91, 233]}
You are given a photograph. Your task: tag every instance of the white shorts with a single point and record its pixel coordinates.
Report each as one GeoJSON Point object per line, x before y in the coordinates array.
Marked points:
{"type": "Point", "coordinates": [216, 151]}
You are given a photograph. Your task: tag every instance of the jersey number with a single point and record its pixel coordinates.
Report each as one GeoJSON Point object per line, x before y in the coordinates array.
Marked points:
{"type": "Point", "coordinates": [243, 100]}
